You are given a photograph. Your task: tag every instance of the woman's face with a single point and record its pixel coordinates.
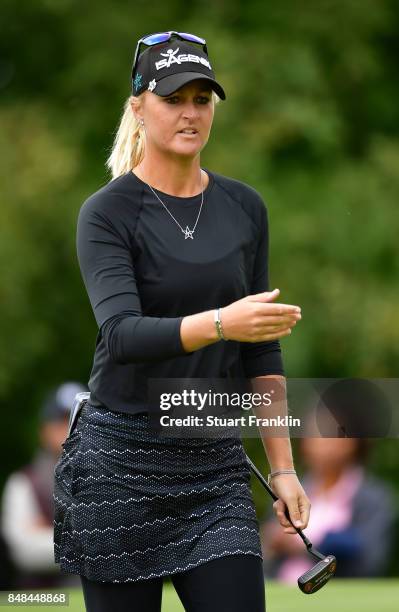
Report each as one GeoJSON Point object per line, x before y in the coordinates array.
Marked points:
{"type": "Point", "coordinates": [324, 455]}
{"type": "Point", "coordinates": [190, 107]}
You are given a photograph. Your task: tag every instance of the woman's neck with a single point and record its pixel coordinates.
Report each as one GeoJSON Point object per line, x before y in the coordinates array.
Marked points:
{"type": "Point", "coordinates": [327, 479]}
{"type": "Point", "coordinates": [182, 180]}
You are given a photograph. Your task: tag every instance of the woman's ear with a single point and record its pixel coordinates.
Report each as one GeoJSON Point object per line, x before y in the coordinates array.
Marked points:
{"type": "Point", "coordinates": [135, 105]}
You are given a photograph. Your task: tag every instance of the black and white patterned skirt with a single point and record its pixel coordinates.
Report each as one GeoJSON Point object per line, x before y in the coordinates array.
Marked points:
{"type": "Point", "coordinates": [132, 505]}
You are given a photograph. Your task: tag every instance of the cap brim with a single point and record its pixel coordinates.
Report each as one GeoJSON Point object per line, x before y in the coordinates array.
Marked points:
{"type": "Point", "coordinates": [172, 83]}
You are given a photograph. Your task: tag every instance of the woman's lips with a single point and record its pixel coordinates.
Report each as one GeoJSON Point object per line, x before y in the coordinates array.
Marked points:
{"type": "Point", "coordinates": [188, 130]}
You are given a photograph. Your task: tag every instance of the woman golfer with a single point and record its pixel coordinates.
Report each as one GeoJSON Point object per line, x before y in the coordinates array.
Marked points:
{"type": "Point", "coordinates": [174, 260]}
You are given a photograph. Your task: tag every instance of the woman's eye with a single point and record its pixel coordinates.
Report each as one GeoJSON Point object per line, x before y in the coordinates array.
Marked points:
{"type": "Point", "coordinates": [201, 99]}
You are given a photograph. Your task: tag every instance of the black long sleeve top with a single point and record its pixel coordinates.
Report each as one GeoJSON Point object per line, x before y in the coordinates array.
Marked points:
{"type": "Point", "coordinates": [143, 277]}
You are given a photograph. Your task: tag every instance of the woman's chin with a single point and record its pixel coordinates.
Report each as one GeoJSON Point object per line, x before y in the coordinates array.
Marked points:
{"type": "Point", "coordinates": [186, 150]}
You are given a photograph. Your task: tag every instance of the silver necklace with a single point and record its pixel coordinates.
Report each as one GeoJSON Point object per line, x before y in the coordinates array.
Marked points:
{"type": "Point", "coordinates": [187, 232]}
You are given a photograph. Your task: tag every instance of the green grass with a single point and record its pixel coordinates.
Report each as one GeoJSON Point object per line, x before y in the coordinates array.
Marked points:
{"type": "Point", "coordinates": [337, 596]}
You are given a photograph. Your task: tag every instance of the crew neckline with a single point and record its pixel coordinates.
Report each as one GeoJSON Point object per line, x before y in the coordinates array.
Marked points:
{"type": "Point", "coordinates": [181, 199]}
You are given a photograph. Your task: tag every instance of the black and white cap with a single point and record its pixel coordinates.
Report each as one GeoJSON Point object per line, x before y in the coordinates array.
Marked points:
{"type": "Point", "coordinates": [165, 67]}
{"type": "Point", "coordinates": [59, 401]}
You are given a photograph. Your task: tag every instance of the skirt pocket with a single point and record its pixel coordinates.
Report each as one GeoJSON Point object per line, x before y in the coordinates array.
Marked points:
{"type": "Point", "coordinates": [63, 492]}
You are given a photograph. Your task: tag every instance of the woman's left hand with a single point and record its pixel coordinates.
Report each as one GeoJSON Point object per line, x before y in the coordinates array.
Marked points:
{"type": "Point", "coordinates": [292, 496]}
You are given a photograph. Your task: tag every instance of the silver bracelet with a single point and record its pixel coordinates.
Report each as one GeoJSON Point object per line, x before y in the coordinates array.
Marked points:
{"type": "Point", "coordinates": [218, 324]}
{"type": "Point", "coordinates": [277, 473]}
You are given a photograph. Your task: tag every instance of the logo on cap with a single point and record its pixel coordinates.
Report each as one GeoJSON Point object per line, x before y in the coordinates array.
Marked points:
{"type": "Point", "coordinates": [152, 84]}
{"type": "Point", "coordinates": [137, 81]}
{"type": "Point", "coordinates": [173, 58]}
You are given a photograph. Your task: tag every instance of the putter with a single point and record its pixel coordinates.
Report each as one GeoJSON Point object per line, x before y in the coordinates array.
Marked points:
{"type": "Point", "coordinates": [315, 578]}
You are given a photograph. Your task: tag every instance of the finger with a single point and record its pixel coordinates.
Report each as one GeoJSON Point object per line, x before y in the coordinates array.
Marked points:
{"type": "Point", "coordinates": [295, 514]}
{"type": "Point", "coordinates": [265, 296]}
{"type": "Point", "coordinates": [280, 309]}
{"type": "Point", "coordinates": [280, 510]}
{"type": "Point", "coordinates": [290, 530]}
{"type": "Point", "coordinates": [275, 328]}
{"type": "Point", "coordinates": [276, 336]}
{"type": "Point", "coordinates": [304, 508]}
{"type": "Point", "coordinates": [277, 331]}
{"type": "Point", "coordinates": [270, 320]}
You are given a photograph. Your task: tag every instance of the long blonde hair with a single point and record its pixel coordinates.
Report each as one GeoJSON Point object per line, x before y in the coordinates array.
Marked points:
{"type": "Point", "coordinates": [129, 142]}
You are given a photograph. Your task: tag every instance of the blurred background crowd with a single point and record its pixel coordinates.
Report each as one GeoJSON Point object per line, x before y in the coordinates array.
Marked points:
{"type": "Point", "coordinates": [27, 512]}
{"type": "Point", "coordinates": [311, 121]}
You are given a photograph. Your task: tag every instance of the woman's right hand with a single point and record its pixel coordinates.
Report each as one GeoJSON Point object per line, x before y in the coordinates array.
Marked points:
{"type": "Point", "coordinates": [256, 318]}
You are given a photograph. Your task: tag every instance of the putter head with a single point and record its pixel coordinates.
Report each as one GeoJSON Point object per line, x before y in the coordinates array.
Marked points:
{"type": "Point", "coordinates": [315, 578]}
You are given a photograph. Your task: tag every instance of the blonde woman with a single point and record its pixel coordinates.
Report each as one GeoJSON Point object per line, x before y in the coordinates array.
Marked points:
{"type": "Point", "coordinates": [174, 260]}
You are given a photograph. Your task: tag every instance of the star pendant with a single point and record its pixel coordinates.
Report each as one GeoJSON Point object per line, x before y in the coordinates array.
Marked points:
{"type": "Point", "coordinates": [188, 233]}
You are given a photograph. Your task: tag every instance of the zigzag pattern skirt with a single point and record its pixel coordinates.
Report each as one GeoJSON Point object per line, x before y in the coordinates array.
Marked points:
{"type": "Point", "coordinates": [131, 505]}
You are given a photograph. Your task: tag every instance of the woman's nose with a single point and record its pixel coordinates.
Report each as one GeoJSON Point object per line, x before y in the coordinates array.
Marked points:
{"type": "Point", "coordinates": [190, 110]}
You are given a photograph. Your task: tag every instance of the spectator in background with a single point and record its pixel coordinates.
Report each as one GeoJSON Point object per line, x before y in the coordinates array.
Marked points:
{"type": "Point", "coordinates": [352, 514]}
{"type": "Point", "coordinates": [27, 500]}
{"type": "Point", "coordinates": [7, 573]}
